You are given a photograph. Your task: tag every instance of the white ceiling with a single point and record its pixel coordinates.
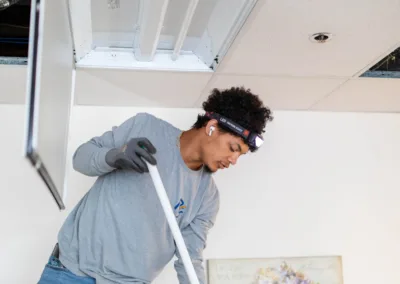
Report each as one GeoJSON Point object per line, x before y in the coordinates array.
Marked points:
{"type": "Point", "coordinates": [275, 41]}
{"type": "Point", "coordinates": [274, 57]}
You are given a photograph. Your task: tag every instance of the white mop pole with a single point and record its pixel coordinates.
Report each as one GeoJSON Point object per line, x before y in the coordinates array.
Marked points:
{"type": "Point", "coordinates": [162, 195]}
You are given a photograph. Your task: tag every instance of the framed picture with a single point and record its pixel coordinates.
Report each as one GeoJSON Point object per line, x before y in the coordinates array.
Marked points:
{"type": "Point", "coordinates": [285, 270]}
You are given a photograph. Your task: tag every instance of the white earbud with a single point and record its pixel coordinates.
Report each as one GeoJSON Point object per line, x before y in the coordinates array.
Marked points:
{"type": "Point", "coordinates": [212, 128]}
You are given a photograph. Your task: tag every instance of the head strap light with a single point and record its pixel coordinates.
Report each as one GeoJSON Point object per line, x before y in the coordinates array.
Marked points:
{"type": "Point", "coordinates": [252, 139]}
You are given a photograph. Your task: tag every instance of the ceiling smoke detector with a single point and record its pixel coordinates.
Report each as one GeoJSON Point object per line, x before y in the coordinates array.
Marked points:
{"type": "Point", "coordinates": [321, 37]}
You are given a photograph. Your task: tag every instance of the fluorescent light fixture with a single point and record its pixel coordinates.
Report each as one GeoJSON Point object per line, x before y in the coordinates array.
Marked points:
{"type": "Point", "coordinates": [151, 19]}
{"type": "Point", "coordinates": [156, 30]}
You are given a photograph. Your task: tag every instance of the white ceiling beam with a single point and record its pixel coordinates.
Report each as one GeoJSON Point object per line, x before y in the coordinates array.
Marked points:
{"type": "Point", "coordinates": [151, 20]}
{"type": "Point", "coordinates": [184, 28]}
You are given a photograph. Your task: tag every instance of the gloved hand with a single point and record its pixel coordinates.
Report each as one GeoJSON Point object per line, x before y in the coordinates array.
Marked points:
{"type": "Point", "coordinates": [130, 155]}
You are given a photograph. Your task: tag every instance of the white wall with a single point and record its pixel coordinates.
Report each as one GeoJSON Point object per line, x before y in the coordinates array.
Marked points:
{"type": "Point", "coordinates": [29, 218]}
{"type": "Point", "coordinates": [323, 184]}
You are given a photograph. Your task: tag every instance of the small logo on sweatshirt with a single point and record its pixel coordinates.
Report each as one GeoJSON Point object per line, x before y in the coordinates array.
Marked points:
{"type": "Point", "coordinates": [179, 208]}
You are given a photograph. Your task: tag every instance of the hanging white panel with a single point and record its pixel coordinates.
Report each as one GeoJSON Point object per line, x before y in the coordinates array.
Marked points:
{"type": "Point", "coordinates": [49, 93]}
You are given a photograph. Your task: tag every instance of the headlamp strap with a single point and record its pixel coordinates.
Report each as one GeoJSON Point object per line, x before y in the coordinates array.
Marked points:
{"type": "Point", "coordinates": [230, 124]}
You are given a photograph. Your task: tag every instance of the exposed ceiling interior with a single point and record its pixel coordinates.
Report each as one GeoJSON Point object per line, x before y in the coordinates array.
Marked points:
{"type": "Point", "coordinates": [272, 54]}
{"type": "Point", "coordinates": [14, 28]}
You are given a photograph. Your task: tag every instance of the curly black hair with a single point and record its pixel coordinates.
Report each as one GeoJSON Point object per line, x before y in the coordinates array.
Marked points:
{"type": "Point", "coordinates": [238, 104]}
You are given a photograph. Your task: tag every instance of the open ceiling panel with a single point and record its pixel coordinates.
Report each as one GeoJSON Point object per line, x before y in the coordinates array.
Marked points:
{"type": "Point", "coordinates": [14, 31]}
{"type": "Point", "coordinates": [181, 35]}
{"type": "Point", "coordinates": [387, 67]}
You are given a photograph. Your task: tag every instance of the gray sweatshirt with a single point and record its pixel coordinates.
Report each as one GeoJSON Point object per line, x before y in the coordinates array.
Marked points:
{"type": "Point", "coordinates": [118, 232]}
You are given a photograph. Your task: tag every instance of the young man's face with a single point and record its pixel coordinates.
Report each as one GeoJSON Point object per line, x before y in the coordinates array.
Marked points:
{"type": "Point", "coordinates": [222, 150]}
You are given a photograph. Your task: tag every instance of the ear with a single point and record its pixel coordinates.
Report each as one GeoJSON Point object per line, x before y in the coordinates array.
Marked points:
{"type": "Point", "coordinates": [211, 127]}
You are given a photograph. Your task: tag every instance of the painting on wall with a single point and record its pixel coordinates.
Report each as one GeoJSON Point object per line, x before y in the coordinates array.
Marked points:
{"type": "Point", "coordinates": [287, 270]}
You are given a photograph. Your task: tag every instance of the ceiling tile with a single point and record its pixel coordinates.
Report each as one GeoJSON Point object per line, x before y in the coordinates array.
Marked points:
{"type": "Point", "coordinates": [364, 95]}
{"type": "Point", "coordinates": [111, 87]}
{"type": "Point", "coordinates": [13, 88]}
{"type": "Point", "coordinates": [275, 40]}
{"type": "Point", "coordinates": [285, 93]}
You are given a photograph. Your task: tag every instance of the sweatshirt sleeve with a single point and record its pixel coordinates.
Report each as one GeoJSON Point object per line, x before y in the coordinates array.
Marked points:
{"type": "Point", "coordinates": [89, 158]}
{"type": "Point", "coordinates": [195, 237]}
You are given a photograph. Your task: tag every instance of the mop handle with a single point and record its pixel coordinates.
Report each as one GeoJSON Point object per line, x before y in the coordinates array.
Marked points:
{"type": "Point", "coordinates": [162, 195]}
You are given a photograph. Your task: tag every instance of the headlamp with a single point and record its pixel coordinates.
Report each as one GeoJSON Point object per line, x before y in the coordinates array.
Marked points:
{"type": "Point", "coordinates": [253, 139]}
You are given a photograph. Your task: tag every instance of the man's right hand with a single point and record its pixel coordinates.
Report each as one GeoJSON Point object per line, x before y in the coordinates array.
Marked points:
{"type": "Point", "coordinates": [130, 155]}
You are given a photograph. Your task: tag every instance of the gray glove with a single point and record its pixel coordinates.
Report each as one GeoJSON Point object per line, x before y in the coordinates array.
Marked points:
{"type": "Point", "coordinates": [130, 155]}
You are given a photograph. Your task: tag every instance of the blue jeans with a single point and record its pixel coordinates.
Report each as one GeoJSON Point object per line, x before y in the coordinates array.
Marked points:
{"type": "Point", "coordinates": [56, 273]}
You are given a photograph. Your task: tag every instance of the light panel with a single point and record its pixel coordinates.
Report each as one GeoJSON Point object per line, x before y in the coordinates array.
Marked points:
{"type": "Point", "coordinates": [203, 30]}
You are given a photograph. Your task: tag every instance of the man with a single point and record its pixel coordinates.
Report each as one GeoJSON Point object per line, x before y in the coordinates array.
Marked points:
{"type": "Point", "coordinates": [118, 232]}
